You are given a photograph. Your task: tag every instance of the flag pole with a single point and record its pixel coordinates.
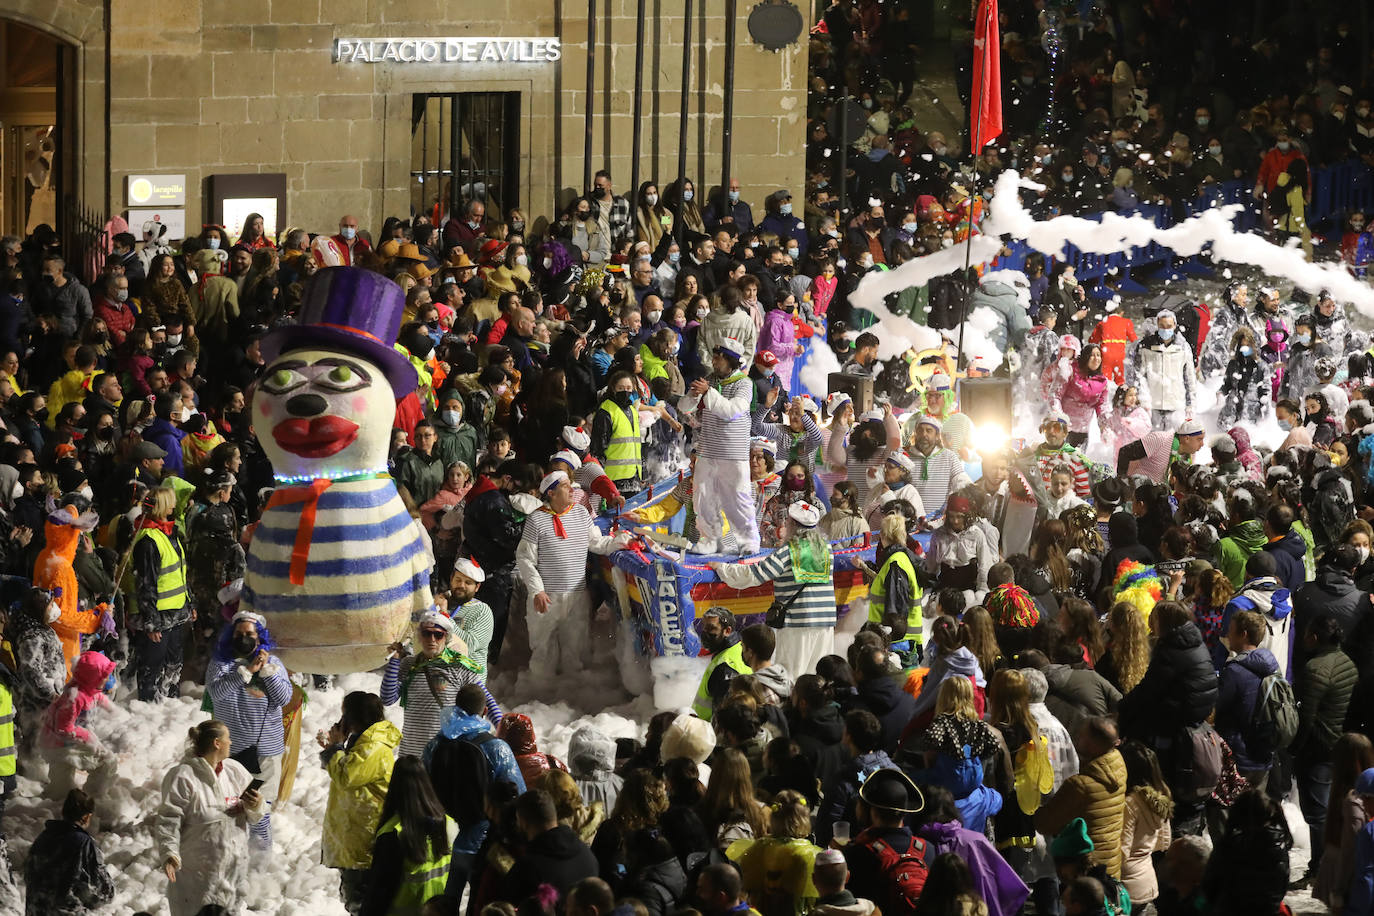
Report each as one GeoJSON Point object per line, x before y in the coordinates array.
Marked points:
{"type": "Point", "coordinates": [974, 136]}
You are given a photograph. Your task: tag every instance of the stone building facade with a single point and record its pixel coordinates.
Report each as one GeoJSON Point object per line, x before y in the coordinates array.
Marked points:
{"type": "Point", "coordinates": [253, 86]}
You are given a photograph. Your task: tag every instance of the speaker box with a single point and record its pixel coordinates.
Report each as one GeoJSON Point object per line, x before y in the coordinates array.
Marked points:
{"type": "Point", "coordinates": [986, 400]}
{"type": "Point", "coordinates": [858, 388]}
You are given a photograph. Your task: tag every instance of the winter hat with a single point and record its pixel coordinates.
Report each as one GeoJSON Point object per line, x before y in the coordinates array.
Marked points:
{"type": "Point", "coordinates": [1011, 605]}
{"type": "Point", "coordinates": [1069, 342]}
{"type": "Point", "coordinates": [804, 514]}
{"type": "Point", "coordinates": [70, 478]}
{"type": "Point", "coordinates": [1364, 785]}
{"type": "Point", "coordinates": [688, 737]}
{"type": "Point", "coordinates": [146, 449]}
{"type": "Point", "coordinates": [958, 429]}
{"type": "Point", "coordinates": [469, 568]}
{"type": "Point", "coordinates": [835, 401]}
{"type": "Point", "coordinates": [1073, 841]}
{"type": "Point", "coordinates": [577, 438]}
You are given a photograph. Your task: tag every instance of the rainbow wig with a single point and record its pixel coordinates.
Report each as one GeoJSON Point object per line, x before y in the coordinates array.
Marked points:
{"type": "Point", "coordinates": [1139, 586]}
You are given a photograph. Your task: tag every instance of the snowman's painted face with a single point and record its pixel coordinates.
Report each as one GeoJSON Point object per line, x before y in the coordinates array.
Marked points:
{"type": "Point", "coordinates": [323, 411]}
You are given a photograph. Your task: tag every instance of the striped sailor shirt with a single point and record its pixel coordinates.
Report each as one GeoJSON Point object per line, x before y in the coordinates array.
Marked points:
{"type": "Point", "coordinates": [548, 561]}
{"type": "Point", "coordinates": [815, 601]}
{"type": "Point", "coordinates": [723, 422]}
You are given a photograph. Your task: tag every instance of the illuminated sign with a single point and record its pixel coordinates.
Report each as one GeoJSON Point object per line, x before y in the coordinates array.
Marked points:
{"type": "Point", "coordinates": [157, 190]}
{"type": "Point", "coordinates": [447, 50]}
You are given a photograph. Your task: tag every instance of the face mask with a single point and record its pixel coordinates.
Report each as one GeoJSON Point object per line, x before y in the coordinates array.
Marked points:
{"type": "Point", "coordinates": [1246, 351]}
{"type": "Point", "coordinates": [87, 492]}
{"type": "Point", "coordinates": [734, 197]}
{"type": "Point", "coordinates": [1067, 177]}
{"type": "Point", "coordinates": [941, 149]}
{"type": "Point", "coordinates": [173, 340]}
{"type": "Point", "coordinates": [767, 373]}
{"type": "Point", "coordinates": [702, 313]}
{"type": "Point", "coordinates": [548, 263]}
{"type": "Point", "coordinates": [54, 611]}
{"type": "Point", "coordinates": [1285, 425]}
{"type": "Point", "coordinates": [946, 243]}
{"type": "Point", "coordinates": [1364, 554]}
{"type": "Point", "coordinates": [122, 295]}
{"type": "Point", "coordinates": [794, 252]}
{"type": "Point", "coordinates": [1214, 150]}
{"type": "Point", "coordinates": [651, 199]}
{"type": "Point", "coordinates": [1283, 146]}
{"type": "Point", "coordinates": [680, 321]}
{"type": "Point", "coordinates": [1203, 122]}
{"type": "Point", "coordinates": [1303, 339]}
{"type": "Point", "coordinates": [518, 225]}
{"type": "Point", "coordinates": [674, 256]}
{"type": "Point", "coordinates": [1166, 333]}
{"type": "Point", "coordinates": [865, 263]}
{"type": "Point", "coordinates": [794, 485]}
{"type": "Point", "coordinates": [1354, 224]}
{"type": "Point", "coordinates": [623, 398]}
{"type": "Point", "coordinates": [105, 433]}
{"type": "Point", "coordinates": [347, 232]}
{"type": "Point", "coordinates": [652, 317]}
{"type": "Point", "coordinates": [785, 209]}
{"type": "Point", "coordinates": [245, 645]}
{"type": "Point", "coordinates": [452, 417]}
{"type": "Point", "coordinates": [214, 243]}
{"type": "Point", "coordinates": [867, 103]}
{"type": "Point", "coordinates": [502, 388]}
{"type": "Point", "coordinates": [909, 228]}
{"type": "Point", "coordinates": [687, 195]}
{"type": "Point", "coordinates": [17, 490]}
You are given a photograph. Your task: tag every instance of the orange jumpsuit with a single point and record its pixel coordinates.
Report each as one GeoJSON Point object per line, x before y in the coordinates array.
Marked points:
{"type": "Point", "coordinates": [54, 569]}
{"type": "Point", "coordinates": [1113, 334]}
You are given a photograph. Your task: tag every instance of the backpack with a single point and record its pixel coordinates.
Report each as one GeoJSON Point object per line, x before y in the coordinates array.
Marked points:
{"type": "Point", "coordinates": [1275, 721]}
{"type": "Point", "coordinates": [903, 873]}
{"type": "Point", "coordinates": [1198, 762]}
{"type": "Point", "coordinates": [949, 299]}
{"type": "Point", "coordinates": [1278, 200]}
{"type": "Point", "coordinates": [462, 775]}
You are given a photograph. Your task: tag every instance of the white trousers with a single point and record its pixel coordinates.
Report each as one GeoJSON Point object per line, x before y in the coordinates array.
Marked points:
{"type": "Point", "coordinates": [719, 486]}
{"type": "Point", "coordinates": [799, 648]}
{"type": "Point", "coordinates": [559, 637]}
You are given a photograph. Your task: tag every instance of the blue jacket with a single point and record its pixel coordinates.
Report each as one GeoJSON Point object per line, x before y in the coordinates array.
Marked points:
{"type": "Point", "coordinates": [168, 438]}
{"type": "Point", "coordinates": [1238, 692]}
{"type": "Point", "coordinates": [1359, 898]}
{"type": "Point", "coordinates": [504, 768]}
{"type": "Point", "coordinates": [1289, 552]}
{"type": "Point", "coordinates": [842, 791]}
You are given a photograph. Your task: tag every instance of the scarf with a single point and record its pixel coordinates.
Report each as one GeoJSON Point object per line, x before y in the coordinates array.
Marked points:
{"type": "Point", "coordinates": [558, 528]}
{"type": "Point", "coordinates": [305, 529]}
{"type": "Point", "coordinates": [166, 526]}
{"type": "Point", "coordinates": [445, 659]}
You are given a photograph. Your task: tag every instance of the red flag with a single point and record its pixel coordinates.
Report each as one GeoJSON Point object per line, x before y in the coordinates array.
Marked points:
{"type": "Point", "coordinates": [986, 123]}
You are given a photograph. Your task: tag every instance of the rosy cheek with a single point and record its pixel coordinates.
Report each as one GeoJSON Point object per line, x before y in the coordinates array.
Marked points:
{"type": "Point", "coordinates": [359, 404]}
{"type": "Point", "coordinates": [264, 408]}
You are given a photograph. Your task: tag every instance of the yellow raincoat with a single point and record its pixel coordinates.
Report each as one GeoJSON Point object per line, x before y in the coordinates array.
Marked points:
{"type": "Point", "coordinates": [358, 780]}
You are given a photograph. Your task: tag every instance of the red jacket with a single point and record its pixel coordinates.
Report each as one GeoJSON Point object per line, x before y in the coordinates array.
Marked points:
{"type": "Point", "coordinates": [1113, 334]}
{"type": "Point", "coordinates": [359, 247]}
{"type": "Point", "coordinates": [118, 317]}
{"type": "Point", "coordinates": [1275, 163]}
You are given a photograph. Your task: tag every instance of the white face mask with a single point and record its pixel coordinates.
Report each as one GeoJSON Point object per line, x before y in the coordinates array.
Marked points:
{"type": "Point", "coordinates": [17, 490]}
{"type": "Point", "coordinates": [548, 263]}
{"type": "Point", "coordinates": [122, 295]}
{"type": "Point", "coordinates": [348, 232]}
{"type": "Point", "coordinates": [521, 260]}
{"type": "Point", "coordinates": [173, 340]}
{"type": "Point", "coordinates": [1363, 552]}
{"type": "Point", "coordinates": [651, 199]}
{"type": "Point", "coordinates": [87, 492]}
{"type": "Point", "coordinates": [214, 243]}
{"type": "Point", "coordinates": [702, 313]}
{"type": "Point", "coordinates": [652, 317]}
{"type": "Point", "coordinates": [687, 195]}
{"type": "Point", "coordinates": [54, 611]}
{"type": "Point", "coordinates": [452, 418]}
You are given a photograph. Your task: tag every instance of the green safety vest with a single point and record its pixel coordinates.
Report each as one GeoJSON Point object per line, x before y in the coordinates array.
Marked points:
{"type": "Point", "coordinates": [915, 623]}
{"type": "Point", "coordinates": [422, 880]}
{"type": "Point", "coordinates": [623, 460]}
{"type": "Point", "coordinates": [171, 571]}
{"type": "Point", "coordinates": [9, 757]}
{"type": "Point", "coordinates": [732, 657]}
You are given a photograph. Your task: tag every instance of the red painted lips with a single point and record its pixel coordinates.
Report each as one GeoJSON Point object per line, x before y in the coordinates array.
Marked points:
{"type": "Point", "coordinates": [317, 438]}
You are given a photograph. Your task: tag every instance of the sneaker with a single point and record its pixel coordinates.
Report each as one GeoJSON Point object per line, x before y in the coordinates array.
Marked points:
{"type": "Point", "coordinates": [706, 547]}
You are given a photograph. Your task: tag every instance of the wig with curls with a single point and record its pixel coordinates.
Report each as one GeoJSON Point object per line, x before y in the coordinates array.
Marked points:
{"type": "Point", "coordinates": [1137, 585]}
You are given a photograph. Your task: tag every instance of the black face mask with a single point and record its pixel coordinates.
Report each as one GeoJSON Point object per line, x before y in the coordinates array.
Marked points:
{"type": "Point", "coordinates": [621, 398]}
{"type": "Point", "coordinates": [245, 645]}
{"type": "Point", "coordinates": [41, 415]}
{"type": "Point", "coordinates": [105, 433]}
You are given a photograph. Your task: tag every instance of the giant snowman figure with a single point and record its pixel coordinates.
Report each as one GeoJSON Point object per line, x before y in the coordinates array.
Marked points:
{"type": "Point", "coordinates": [337, 565]}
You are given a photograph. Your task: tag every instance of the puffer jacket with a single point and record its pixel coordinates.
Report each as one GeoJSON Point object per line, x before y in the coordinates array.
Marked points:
{"type": "Point", "coordinates": [819, 735]}
{"type": "Point", "coordinates": [1098, 795]}
{"type": "Point", "coordinates": [517, 730]}
{"type": "Point", "coordinates": [1238, 690]}
{"type": "Point", "coordinates": [1290, 552]}
{"type": "Point", "coordinates": [1179, 688]}
{"type": "Point", "coordinates": [1077, 694]}
{"type": "Point", "coordinates": [63, 721]}
{"type": "Point", "coordinates": [1241, 542]}
{"type": "Point", "coordinates": [1324, 693]}
{"type": "Point", "coordinates": [358, 781]}
{"type": "Point", "coordinates": [591, 756]}
{"type": "Point", "coordinates": [1332, 593]}
{"type": "Point", "coordinates": [1163, 373]}
{"type": "Point", "coordinates": [1144, 831]}
{"type": "Point", "coordinates": [893, 706]}
{"type": "Point", "coordinates": [1082, 398]}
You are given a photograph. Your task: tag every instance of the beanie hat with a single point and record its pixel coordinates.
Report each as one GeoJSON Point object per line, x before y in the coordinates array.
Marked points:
{"type": "Point", "coordinates": [1073, 841]}
{"type": "Point", "coordinates": [1011, 605]}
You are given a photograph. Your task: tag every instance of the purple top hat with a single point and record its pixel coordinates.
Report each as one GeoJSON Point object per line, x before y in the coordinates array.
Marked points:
{"type": "Point", "coordinates": [351, 309]}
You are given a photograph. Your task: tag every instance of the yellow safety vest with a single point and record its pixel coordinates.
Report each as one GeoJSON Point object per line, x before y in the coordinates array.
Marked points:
{"type": "Point", "coordinates": [623, 454]}
{"type": "Point", "coordinates": [732, 657]}
{"type": "Point", "coordinates": [422, 880]}
{"type": "Point", "coordinates": [171, 570]}
{"type": "Point", "coordinates": [915, 623]}
{"type": "Point", "coordinates": [9, 757]}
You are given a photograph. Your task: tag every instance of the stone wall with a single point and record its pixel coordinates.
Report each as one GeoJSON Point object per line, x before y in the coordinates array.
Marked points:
{"type": "Point", "coordinates": [250, 86]}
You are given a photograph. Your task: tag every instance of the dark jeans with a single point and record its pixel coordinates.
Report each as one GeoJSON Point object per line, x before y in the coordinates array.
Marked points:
{"type": "Point", "coordinates": [159, 663]}
{"type": "Point", "coordinates": [459, 873]}
{"type": "Point", "coordinates": [495, 591]}
{"type": "Point", "coordinates": [1314, 787]}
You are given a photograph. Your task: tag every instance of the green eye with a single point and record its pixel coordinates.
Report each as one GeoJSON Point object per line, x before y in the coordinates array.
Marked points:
{"type": "Point", "coordinates": [341, 374]}
{"type": "Point", "coordinates": [281, 378]}
{"type": "Point", "coordinates": [343, 377]}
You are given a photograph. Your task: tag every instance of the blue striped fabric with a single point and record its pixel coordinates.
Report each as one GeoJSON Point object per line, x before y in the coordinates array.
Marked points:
{"type": "Point", "coordinates": [277, 604]}
{"type": "Point", "coordinates": [285, 536]}
{"type": "Point", "coordinates": [346, 566]}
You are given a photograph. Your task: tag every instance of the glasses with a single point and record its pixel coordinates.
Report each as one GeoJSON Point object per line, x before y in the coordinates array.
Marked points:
{"type": "Point", "coordinates": [431, 634]}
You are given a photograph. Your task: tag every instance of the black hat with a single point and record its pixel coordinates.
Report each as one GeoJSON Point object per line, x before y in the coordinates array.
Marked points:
{"type": "Point", "coordinates": [892, 790]}
{"type": "Point", "coordinates": [1108, 493]}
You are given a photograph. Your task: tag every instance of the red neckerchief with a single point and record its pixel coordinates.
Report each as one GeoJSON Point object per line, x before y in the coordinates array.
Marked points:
{"type": "Point", "coordinates": [558, 528]}
{"type": "Point", "coordinates": [305, 529]}
{"type": "Point", "coordinates": [482, 485]}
